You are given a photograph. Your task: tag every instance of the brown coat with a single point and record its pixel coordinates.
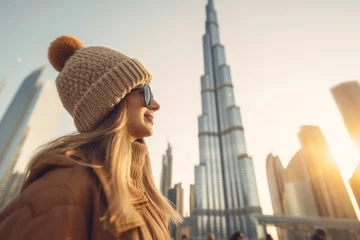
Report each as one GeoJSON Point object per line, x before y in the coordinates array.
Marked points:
{"type": "Point", "coordinates": [64, 200]}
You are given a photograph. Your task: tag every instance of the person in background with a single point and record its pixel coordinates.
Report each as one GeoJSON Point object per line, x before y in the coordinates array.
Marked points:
{"type": "Point", "coordinates": [96, 183]}
{"type": "Point", "coordinates": [319, 234]}
{"type": "Point", "coordinates": [268, 237]}
{"type": "Point", "coordinates": [211, 237]}
{"type": "Point", "coordinates": [183, 237]}
{"type": "Point", "coordinates": [237, 236]}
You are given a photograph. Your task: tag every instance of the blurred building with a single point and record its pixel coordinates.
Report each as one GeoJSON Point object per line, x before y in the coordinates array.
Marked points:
{"type": "Point", "coordinates": [14, 122]}
{"type": "Point", "coordinates": [40, 127]}
{"type": "Point", "coordinates": [176, 196]}
{"type": "Point", "coordinates": [275, 177]}
{"type": "Point", "coordinates": [310, 186]}
{"type": "Point", "coordinates": [354, 182]}
{"type": "Point", "coordinates": [226, 194]}
{"type": "Point", "coordinates": [166, 173]}
{"type": "Point", "coordinates": [347, 97]}
{"type": "Point", "coordinates": [298, 195]}
{"type": "Point", "coordinates": [192, 199]}
{"type": "Point", "coordinates": [328, 187]}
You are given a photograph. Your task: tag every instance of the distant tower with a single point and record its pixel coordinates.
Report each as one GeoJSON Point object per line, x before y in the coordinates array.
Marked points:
{"type": "Point", "coordinates": [14, 122]}
{"type": "Point", "coordinates": [166, 173]}
{"type": "Point", "coordinates": [226, 194]}
{"type": "Point", "coordinates": [41, 127]}
{"type": "Point", "coordinates": [192, 199]}
{"type": "Point", "coordinates": [275, 176]}
{"type": "Point", "coordinates": [176, 196]}
{"type": "Point", "coordinates": [347, 97]}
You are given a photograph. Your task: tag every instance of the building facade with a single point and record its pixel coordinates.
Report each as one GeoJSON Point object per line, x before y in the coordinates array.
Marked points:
{"type": "Point", "coordinates": [14, 122]}
{"type": "Point", "coordinates": [310, 186]}
{"type": "Point", "coordinates": [176, 196]}
{"type": "Point", "coordinates": [347, 98]}
{"type": "Point", "coordinates": [328, 187]}
{"type": "Point", "coordinates": [226, 193]}
{"type": "Point", "coordinates": [41, 125]}
{"type": "Point", "coordinates": [275, 176]}
{"type": "Point", "coordinates": [166, 172]}
{"type": "Point", "coordinates": [192, 199]}
{"type": "Point", "coordinates": [298, 196]}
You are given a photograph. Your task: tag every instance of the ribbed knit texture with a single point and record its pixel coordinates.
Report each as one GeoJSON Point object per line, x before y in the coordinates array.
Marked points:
{"type": "Point", "coordinates": [94, 80]}
{"type": "Point", "coordinates": [155, 226]}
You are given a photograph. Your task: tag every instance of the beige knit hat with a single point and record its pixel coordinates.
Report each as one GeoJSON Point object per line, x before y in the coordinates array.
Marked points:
{"type": "Point", "coordinates": [92, 80]}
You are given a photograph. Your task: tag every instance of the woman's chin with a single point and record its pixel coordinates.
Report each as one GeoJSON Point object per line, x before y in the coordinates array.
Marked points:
{"type": "Point", "coordinates": [144, 132]}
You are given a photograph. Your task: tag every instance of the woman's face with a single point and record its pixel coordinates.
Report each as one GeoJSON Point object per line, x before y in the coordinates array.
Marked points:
{"type": "Point", "coordinates": [140, 117]}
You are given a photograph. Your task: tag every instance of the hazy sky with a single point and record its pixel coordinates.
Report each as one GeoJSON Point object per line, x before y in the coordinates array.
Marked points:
{"type": "Point", "coordinates": [284, 56]}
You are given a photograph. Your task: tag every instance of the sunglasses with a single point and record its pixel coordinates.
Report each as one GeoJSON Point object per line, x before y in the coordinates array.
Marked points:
{"type": "Point", "coordinates": [147, 94]}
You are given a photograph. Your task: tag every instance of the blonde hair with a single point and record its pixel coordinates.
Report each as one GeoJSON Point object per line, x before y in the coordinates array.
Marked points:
{"type": "Point", "coordinates": [110, 141]}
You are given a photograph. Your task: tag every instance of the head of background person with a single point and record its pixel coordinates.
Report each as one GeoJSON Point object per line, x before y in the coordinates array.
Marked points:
{"type": "Point", "coordinates": [319, 234]}
{"type": "Point", "coordinates": [268, 237]}
{"type": "Point", "coordinates": [237, 236]}
{"type": "Point", "coordinates": [211, 237]}
{"type": "Point", "coordinates": [108, 96]}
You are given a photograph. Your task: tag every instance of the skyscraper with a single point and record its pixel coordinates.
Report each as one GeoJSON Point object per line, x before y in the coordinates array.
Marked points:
{"type": "Point", "coordinates": [275, 176]}
{"type": "Point", "coordinates": [41, 126]}
{"type": "Point", "coordinates": [225, 187]}
{"type": "Point", "coordinates": [354, 182]}
{"type": "Point", "coordinates": [192, 199]}
{"type": "Point", "coordinates": [331, 196]}
{"type": "Point", "coordinates": [310, 186]}
{"type": "Point", "coordinates": [14, 122]}
{"type": "Point", "coordinates": [347, 97]}
{"type": "Point", "coordinates": [298, 197]}
{"type": "Point", "coordinates": [176, 196]}
{"type": "Point", "coordinates": [166, 173]}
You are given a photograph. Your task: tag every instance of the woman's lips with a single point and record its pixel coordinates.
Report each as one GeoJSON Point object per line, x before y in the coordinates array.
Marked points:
{"type": "Point", "coordinates": [150, 117]}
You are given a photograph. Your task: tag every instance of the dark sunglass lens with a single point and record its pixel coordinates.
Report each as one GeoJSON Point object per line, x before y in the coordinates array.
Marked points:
{"type": "Point", "coordinates": [147, 95]}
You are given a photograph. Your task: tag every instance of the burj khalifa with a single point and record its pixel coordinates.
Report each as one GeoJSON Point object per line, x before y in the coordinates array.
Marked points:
{"type": "Point", "coordinates": [226, 194]}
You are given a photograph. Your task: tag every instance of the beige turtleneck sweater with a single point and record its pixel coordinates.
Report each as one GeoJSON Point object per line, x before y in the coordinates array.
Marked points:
{"type": "Point", "coordinates": [154, 225]}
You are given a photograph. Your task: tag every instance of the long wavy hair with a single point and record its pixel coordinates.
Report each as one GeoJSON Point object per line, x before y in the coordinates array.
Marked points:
{"type": "Point", "coordinates": [110, 141]}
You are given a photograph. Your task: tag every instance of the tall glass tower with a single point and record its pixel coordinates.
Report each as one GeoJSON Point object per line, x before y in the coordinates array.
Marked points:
{"type": "Point", "coordinates": [14, 122]}
{"type": "Point", "coordinates": [226, 194]}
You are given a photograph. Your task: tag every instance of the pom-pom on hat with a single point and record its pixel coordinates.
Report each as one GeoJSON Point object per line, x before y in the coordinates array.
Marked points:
{"type": "Point", "coordinates": [92, 80]}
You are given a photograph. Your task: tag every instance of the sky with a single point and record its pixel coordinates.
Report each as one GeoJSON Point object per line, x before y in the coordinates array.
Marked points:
{"type": "Point", "coordinates": [284, 56]}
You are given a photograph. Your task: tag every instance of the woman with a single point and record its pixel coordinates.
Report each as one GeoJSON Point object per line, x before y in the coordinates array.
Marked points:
{"type": "Point", "coordinates": [95, 184]}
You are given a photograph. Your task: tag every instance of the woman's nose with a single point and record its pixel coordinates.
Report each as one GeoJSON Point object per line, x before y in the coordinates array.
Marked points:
{"type": "Point", "coordinates": [154, 105]}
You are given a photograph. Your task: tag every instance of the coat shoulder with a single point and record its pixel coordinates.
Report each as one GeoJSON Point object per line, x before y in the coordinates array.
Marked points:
{"type": "Point", "coordinates": [75, 185]}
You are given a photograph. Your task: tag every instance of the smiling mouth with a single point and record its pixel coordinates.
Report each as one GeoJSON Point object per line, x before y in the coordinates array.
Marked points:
{"type": "Point", "coordinates": [150, 118]}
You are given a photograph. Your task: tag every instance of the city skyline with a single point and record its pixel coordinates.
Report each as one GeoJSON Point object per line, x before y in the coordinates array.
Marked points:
{"type": "Point", "coordinates": [284, 62]}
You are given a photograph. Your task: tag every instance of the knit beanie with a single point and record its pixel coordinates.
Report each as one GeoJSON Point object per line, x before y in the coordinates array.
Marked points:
{"type": "Point", "coordinates": [92, 80]}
